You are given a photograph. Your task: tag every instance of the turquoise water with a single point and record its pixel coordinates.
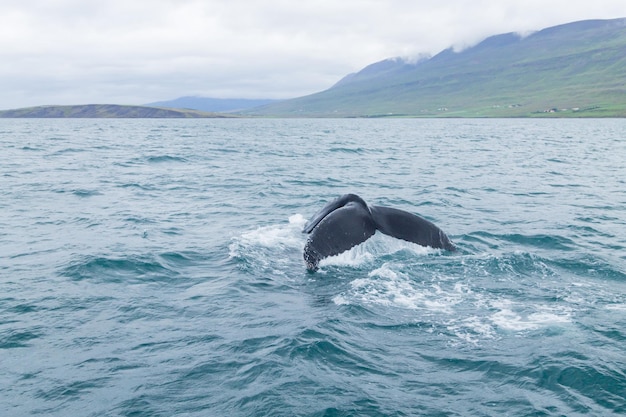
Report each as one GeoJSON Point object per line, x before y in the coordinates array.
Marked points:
{"type": "Point", "coordinates": [154, 268]}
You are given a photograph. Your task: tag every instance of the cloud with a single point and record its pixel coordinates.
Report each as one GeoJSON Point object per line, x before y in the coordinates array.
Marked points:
{"type": "Point", "coordinates": [132, 52]}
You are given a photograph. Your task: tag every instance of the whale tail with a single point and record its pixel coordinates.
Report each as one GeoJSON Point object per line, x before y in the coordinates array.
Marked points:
{"type": "Point", "coordinates": [348, 221]}
{"type": "Point", "coordinates": [344, 228]}
{"type": "Point", "coordinates": [410, 227]}
{"type": "Point", "coordinates": [330, 207]}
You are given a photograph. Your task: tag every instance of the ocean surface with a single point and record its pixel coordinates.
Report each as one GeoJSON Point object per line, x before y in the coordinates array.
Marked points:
{"type": "Point", "coordinates": [154, 268]}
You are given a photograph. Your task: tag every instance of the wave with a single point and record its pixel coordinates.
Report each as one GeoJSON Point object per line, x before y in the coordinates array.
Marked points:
{"type": "Point", "coordinates": [18, 338]}
{"type": "Point", "coordinates": [67, 151]}
{"type": "Point", "coordinates": [537, 241]}
{"type": "Point", "coordinates": [143, 187]}
{"type": "Point", "coordinates": [127, 269]}
{"type": "Point", "coordinates": [153, 159]}
{"type": "Point", "coordinates": [84, 193]}
{"type": "Point", "coordinates": [78, 192]}
{"type": "Point", "coordinates": [342, 149]}
{"type": "Point", "coordinates": [165, 158]}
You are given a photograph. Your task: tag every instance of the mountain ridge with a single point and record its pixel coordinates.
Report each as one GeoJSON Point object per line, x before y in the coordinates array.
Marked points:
{"type": "Point", "coordinates": [209, 104]}
{"type": "Point", "coordinates": [578, 66]}
{"type": "Point", "coordinates": [105, 111]}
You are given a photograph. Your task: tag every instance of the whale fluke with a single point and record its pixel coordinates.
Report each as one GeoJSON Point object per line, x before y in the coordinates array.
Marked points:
{"type": "Point", "coordinates": [348, 221]}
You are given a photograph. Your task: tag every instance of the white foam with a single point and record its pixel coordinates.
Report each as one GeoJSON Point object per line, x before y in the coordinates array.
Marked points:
{"type": "Point", "coordinates": [384, 272]}
{"type": "Point", "coordinates": [472, 329]}
{"type": "Point", "coordinates": [271, 236]}
{"type": "Point", "coordinates": [354, 257]}
{"type": "Point", "coordinates": [388, 286]}
{"type": "Point", "coordinates": [446, 302]}
{"type": "Point", "coordinates": [278, 236]}
{"type": "Point", "coordinates": [382, 244]}
{"type": "Point", "coordinates": [297, 220]}
{"type": "Point", "coordinates": [377, 246]}
{"type": "Point", "coordinates": [341, 300]}
{"type": "Point", "coordinates": [509, 319]}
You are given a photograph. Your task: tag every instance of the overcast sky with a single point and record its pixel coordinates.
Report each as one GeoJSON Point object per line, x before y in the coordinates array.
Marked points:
{"type": "Point", "coordinates": [138, 51]}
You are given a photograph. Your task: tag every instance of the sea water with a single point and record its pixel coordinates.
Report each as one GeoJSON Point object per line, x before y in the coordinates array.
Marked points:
{"type": "Point", "coordinates": [154, 268]}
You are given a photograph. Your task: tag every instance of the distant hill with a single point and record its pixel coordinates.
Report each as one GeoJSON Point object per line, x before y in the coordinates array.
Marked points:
{"type": "Point", "coordinates": [104, 111]}
{"type": "Point", "coordinates": [576, 69]}
{"type": "Point", "coordinates": [222, 105]}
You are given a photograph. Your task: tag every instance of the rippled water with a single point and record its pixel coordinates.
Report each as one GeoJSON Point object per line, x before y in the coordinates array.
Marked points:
{"type": "Point", "coordinates": [154, 267]}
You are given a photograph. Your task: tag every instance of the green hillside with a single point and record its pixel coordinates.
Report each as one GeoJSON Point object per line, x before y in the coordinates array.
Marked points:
{"type": "Point", "coordinates": [105, 111]}
{"type": "Point", "coordinates": [575, 70]}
